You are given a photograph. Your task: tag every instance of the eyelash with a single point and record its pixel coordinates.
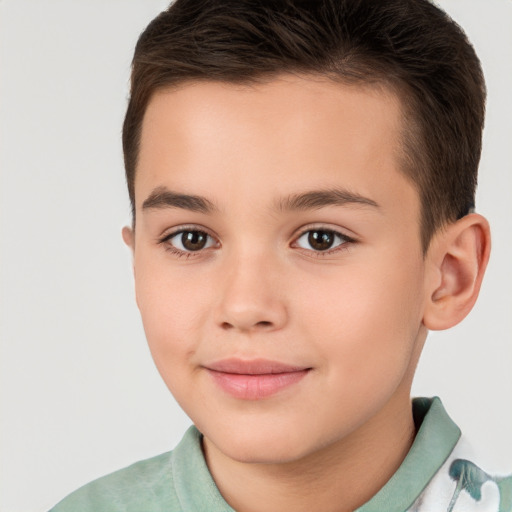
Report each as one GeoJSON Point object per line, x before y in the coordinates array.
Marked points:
{"type": "Point", "coordinates": [165, 241]}
{"type": "Point", "coordinates": [346, 241]}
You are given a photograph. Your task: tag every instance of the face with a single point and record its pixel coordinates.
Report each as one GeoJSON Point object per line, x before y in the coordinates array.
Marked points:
{"type": "Point", "coordinates": [278, 263]}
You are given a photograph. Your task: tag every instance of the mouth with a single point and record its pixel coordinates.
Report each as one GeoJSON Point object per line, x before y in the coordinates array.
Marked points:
{"type": "Point", "coordinates": [254, 379]}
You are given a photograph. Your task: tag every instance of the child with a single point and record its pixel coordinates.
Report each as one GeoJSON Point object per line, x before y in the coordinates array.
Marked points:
{"type": "Point", "coordinates": [302, 178]}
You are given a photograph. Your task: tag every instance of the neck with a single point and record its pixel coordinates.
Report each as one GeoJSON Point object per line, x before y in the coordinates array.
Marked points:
{"type": "Point", "coordinates": [341, 477]}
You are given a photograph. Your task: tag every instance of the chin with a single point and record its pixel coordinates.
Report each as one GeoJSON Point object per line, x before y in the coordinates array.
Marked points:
{"type": "Point", "coordinates": [262, 453]}
{"type": "Point", "coordinates": [257, 445]}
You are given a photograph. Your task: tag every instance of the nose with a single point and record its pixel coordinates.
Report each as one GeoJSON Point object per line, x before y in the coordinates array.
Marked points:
{"type": "Point", "coordinates": [252, 296]}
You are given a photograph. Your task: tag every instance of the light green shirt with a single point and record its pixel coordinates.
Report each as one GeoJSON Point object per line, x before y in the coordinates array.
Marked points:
{"type": "Point", "coordinates": [435, 476]}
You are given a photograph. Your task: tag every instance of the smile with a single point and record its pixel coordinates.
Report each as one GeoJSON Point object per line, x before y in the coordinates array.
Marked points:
{"type": "Point", "coordinates": [254, 379]}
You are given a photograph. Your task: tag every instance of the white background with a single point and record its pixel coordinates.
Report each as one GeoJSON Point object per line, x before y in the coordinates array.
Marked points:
{"type": "Point", "coordinates": [79, 394]}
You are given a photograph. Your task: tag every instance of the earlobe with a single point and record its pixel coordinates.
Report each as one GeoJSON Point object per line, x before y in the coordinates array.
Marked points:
{"type": "Point", "coordinates": [457, 258]}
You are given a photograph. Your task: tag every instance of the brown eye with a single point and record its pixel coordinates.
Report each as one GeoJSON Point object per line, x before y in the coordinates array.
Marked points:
{"type": "Point", "coordinates": [321, 240]}
{"type": "Point", "coordinates": [191, 240]}
{"type": "Point", "coordinates": [194, 240]}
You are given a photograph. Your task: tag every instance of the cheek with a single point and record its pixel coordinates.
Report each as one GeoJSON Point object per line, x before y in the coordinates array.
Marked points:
{"type": "Point", "coordinates": [367, 319]}
{"type": "Point", "coordinates": [171, 308]}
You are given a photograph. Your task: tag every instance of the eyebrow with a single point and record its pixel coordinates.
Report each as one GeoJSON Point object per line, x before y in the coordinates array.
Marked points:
{"type": "Point", "coordinates": [162, 197]}
{"type": "Point", "coordinates": [320, 198]}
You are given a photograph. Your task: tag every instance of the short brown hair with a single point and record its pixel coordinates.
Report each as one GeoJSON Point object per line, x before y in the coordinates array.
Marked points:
{"type": "Point", "coordinates": [410, 45]}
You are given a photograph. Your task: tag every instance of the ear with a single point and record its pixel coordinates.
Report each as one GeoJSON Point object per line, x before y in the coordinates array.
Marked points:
{"type": "Point", "coordinates": [457, 259]}
{"type": "Point", "coordinates": [128, 237]}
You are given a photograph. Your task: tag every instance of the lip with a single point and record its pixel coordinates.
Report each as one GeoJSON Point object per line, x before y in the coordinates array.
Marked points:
{"type": "Point", "coordinates": [254, 379]}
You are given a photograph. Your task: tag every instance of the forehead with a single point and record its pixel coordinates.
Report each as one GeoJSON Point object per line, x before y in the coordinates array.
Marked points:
{"type": "Point", "coordinates": [286, 103]}
{"type": "Point", "coordinates": [291, 132]}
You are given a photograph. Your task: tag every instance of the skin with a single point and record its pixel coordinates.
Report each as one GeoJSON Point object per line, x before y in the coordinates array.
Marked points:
{"type": "Point", "coordinates": [353, 315]}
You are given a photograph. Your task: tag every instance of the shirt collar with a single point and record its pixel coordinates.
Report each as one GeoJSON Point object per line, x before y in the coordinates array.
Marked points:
{"type": "Point", "coordinates": [434, 441]}
{"type": "Point", "coordinates": [193, 482]}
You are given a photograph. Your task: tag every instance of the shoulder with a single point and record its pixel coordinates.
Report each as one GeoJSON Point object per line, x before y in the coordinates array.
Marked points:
{"type": "Point", "coordinates": [459, 483]}
{"type": "Point", "coordinates": [171, 482]}
{"type": "Point", "coordinates": [146, 485]}
{"type": "Point", "coordinates": [462, 484]}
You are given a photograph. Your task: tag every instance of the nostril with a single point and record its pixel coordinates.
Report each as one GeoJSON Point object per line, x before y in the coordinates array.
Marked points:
{"type": "Point", "coordinates": [264, 323]}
